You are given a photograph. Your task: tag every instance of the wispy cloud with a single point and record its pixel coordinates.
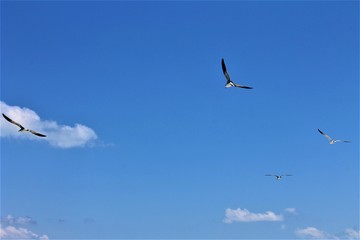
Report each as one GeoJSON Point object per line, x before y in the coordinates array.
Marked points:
{"type": "Point", "coordinates": [244, 215]}
{"type": "Point", "coordinates": [291, 211]}
{"type": "Point", "coordinates": [10, 220]}
{"type": "Point", "coordinates": [314, 233]}
{"type": "Point", "coordinates": [352, 233]}
{"type": "Point", "coordinates": [58, 135]}
{"type": "Point", "coordinates": [11, 232]}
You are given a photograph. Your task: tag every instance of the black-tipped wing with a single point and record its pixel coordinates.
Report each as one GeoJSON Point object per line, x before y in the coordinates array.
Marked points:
{"type": "Point", "coordinates": [327, 136]}
{"type": "Point", "coordinates": [239, 86]}
{"type": "Point", "coordinates": [36, 133]}
{"type": "Point", "coordinates": [21, 127]}
{"type": "Point", "coordinates": [13, 122]}
{"type": "Point", "coordinates": [321, 132]}
{"type": "Point", "coordinates": [228, 77]}
{"type": "Point", "coordinates": [224, 70]}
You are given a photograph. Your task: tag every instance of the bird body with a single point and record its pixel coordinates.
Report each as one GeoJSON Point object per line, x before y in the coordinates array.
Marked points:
{"type": "Point", "coordinates": [278, 177]}
{"type": "Point", "coordinates": [332, 141]}
{"type": "Point", "coordinates": [22, 129]}
{"type": "Point", "coordinates": [230, 83]}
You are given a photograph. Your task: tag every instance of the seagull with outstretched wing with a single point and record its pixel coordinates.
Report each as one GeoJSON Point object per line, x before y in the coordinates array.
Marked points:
{"type": "Point", "coordinates": [332, 141]}
{"type": "Point", "coordinates": [230, 83]}
{"type": "Point", "coordinates": [22, 129]}
{"type": "Point", "coordinates": [278, 177]}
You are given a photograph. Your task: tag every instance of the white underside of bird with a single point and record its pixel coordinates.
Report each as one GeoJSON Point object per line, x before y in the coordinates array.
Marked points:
{"type": "Point", "coordinates": [230, 84]}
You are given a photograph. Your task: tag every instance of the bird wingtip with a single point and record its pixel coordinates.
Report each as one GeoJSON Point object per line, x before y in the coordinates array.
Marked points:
{"type": "Point", "coordinates": [6, 117]}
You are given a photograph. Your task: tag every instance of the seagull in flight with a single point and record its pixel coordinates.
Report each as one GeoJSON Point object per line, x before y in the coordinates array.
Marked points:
{"type": "Point", "coordinates": [22, 129]}
{"type": "Point", "coordinates": [278, 177]}
{"type": "Point", "coordinates": [332, 141]}
{"type": "Point", "coordinates": [230, 83]}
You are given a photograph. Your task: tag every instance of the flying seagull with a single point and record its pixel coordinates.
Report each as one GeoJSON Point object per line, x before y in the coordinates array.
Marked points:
{"type": "Point", "coordinates": [22, 129]}
{"type": "Point", "coordinates": [278, 177]}
{"type": "Point", "coordinates": [230, 83]}
{"type": "Point", "coordinates": [332, 141]}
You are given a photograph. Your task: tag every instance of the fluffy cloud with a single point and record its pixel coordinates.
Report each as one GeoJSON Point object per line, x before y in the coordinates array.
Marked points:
{"type": "Point", "coordinates": [61, 136]}
{"type": "Point", "coordinates": [244, 215]}
{"type": "Point", "coordinates": [11, 232]}
{"type": "Point", "coordinates": [9, 219]}
{"type": "Point", "coordinates": [314, 233]}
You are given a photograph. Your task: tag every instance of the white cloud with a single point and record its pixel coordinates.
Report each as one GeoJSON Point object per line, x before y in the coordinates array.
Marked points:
{"type": "Point", "coordinates": [9, 219]}
{"type": "Point", "coordinates": [240, 215]}
{"type": "Point", "coordinates": [61, 136]}
{"type": "Point", "coordinates": [67, 137]}
{"type": "Point", "coordinates": [314, 233]}
{"type": "Point", "coordinates": [352, 233]}
{"type": "Point", "coordinates": [11, 232]}
{"type": "Point", "coordinates": [291, 211]}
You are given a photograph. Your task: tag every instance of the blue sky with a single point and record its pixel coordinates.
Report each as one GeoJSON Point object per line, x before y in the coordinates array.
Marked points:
{"type": "Point", "coordinates": [144, 140]}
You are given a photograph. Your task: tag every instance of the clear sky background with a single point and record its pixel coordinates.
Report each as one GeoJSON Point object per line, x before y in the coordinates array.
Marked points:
{"type": "Point", "coordinates": [144, 140]}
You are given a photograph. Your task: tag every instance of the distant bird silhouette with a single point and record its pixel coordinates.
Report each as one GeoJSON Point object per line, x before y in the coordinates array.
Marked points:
{"type": "Point", "coordinates": [278, 177]}
{"type": "Point", "coordinates": [332, 141]}
{"type": "Point", "coordinates": [22, 129]}
{"type": "Point", "coordinates": [230, 83]}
